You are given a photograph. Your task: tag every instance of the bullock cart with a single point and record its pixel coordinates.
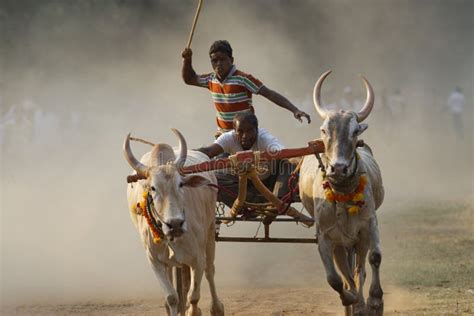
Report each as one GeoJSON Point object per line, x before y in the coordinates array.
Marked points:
{"type": "Point", "coordinates": [245, 164]}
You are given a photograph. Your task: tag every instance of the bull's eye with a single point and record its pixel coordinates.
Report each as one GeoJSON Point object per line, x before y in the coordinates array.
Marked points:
{"type": "Point", "coordinates": [181, 184]}
{"type": "Point", "coordinates": [323, 132]}
{"type": "Point", "coordinates": [153, 189]}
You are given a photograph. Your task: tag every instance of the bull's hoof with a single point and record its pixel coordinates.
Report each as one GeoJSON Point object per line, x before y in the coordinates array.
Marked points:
{"type": "Point", "coordinates": [348, 298]}
{"type": "Point", "coordinates": [217, 309]}
{"type": "Point", "coordinates": [193, 311]}
{"type": "Point", "coordinates": [375, 306]}
{"type": "Point", "coordinates": [360, 309]}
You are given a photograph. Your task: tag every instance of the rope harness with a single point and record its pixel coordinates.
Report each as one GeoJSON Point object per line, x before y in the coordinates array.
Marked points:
{"type": "Point", "coordinates": [220, 187]}
{"type": "Point", "coordinates": [288, 198]}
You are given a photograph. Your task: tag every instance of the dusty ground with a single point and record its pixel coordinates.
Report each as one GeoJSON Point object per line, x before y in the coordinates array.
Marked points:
{"type": "Point", "coordinates": [426, 270]}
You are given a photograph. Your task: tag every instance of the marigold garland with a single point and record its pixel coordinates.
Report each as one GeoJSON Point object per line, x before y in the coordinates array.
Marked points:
{"type": "Point", "coordinates": [154, 231]}
{"type": "Point", "coordinates": [356, 197]}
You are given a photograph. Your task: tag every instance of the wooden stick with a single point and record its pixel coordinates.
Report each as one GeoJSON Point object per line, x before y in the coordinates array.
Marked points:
{"type": "Point", "coordinates": [239, 202]}
{"type": "Point", "coordinates": [194, 23]}
{"type": "Point", "coordinates": [276, 201]}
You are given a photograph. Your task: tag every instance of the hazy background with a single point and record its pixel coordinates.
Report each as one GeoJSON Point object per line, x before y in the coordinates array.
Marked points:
{"type": "Point", "coordinates": [76, 76]}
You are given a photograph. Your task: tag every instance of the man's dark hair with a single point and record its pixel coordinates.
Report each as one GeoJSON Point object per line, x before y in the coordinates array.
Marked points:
{"type": "Point", "coordinates": [248, 117]}
{"type": "Point", "coordinates": [221, 46]}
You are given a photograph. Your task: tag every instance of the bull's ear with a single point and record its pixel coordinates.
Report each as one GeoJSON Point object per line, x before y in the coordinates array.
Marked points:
{"type": "Point", "coordinates": [362, 128]}
{"type": "Point", "coordinates": [194, 181]}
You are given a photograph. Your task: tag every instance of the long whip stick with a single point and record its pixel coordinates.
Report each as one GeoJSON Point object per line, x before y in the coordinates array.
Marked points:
{"type": "Point", "coordinates": [194, 23]}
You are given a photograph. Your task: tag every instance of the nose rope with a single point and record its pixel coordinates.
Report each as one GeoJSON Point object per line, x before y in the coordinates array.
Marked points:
{"type": "Point", "coordinates": [151, 207]}
{"type": "Point", "coordinates": [321, 165]}
{"type": "Point", "coordinates": [155, 227]}
{"type": "Point", "coordinates": [356, 157]}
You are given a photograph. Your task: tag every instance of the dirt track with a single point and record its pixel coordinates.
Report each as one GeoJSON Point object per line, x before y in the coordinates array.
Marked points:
{"type": "Point", "coordinates": [425, 271]}
{"type": "Point", "coordinates": [270, 301]}
{"type": "Point", "coordinates": [418, 272]}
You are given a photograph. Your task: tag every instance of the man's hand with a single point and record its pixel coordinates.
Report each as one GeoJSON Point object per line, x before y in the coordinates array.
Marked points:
{"type": "Point", "coordinates": [280, 100]}
{"type": "Point", "coordinates": [298, 114]}
{"type": "Point", "coordinates": [187, 53]}
{"type": "Point", "coordinates": [187, 71]}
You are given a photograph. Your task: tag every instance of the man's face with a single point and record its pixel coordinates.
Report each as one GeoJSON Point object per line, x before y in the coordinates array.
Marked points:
{"type": "Point", "coordinates": [221, 63]}
{"type": "Point", "coordinates": [246, 134]}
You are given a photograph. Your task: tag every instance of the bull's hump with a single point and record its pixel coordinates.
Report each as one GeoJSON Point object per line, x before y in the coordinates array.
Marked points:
{"type": "Point", "coordinates": [162, 154]}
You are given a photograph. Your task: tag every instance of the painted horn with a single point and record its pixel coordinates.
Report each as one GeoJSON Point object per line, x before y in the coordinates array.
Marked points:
{"type": "Point", "coordinates": [317, 95]}
{"type": "Point", "coordinates": [183, 150]}
{"type": "Point", "coordinates": [140, 168]}
{"type": "Point", "coordinates": [369, 102]}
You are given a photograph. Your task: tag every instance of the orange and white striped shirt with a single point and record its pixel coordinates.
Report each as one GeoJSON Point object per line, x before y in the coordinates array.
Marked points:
{"type": "Point", "coordinates": [231, 96]}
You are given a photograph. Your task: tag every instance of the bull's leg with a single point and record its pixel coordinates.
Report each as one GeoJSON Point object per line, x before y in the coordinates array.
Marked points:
{"type": "Point", "coordinates": [341, 258]}
{"type": "Point", "coordinates": [194, 293]}
{"type": "Point", "coordinates": [161, 272]}
{"type": "Point", "coordinates": [326, 252]}
{"type": "Point", "coordinates": [375, 300]}
{"type": "Point", "coordinates": [359, 274]}
{"type": "Point", "coordinates": [217, 308]}
{"type": "Point", "coordinates": [170, 278]}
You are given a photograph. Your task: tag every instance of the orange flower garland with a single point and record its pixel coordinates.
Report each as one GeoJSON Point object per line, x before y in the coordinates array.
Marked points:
{"type": "Point", "coordinates": [154, 231]}
{"type": "Point", "coordinates": [356, 198]}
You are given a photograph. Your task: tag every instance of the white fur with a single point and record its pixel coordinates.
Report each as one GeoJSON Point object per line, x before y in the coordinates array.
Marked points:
{"type": "Point", "coordinates": [338, 231]}
{"type": "Point", "coordinates": [195, 248]}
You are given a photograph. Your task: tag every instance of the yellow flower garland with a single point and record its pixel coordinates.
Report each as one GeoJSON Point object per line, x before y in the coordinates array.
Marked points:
{"type": "Point", "coordinates": [154, 231]}
{"type": "Point", "coordinates": [356, 198]}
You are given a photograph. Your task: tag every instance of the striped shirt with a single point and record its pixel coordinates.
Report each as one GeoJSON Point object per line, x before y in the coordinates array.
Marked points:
{"type": "Point", "coordinates": [231, 96]}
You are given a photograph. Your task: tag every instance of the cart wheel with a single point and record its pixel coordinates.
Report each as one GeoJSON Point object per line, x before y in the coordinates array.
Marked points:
{"type": "Point", "coordinates": [181, 282]}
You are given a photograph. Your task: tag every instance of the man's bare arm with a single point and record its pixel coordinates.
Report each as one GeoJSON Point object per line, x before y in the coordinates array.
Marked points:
{"type": "Point", "coordinates": [283, 102]}
{"type": "Point", "coordinates": [212, 150]}
{"type": "Point", "coordinates": [189, 75]}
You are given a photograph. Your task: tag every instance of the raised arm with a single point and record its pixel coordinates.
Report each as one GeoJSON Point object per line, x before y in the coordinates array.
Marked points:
{"type": "Point", "coordinates": [283, 102]}
{"type": "Point", "coordinates": [212, 150]}
{"type": "Point", "coordinates": [189, 75]}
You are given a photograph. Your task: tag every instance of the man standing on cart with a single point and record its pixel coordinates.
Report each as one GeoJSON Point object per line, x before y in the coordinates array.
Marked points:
{"type": "Point", "coordinates": [246, 135]}
{"type": "Point", "coordinates": [231, 89]}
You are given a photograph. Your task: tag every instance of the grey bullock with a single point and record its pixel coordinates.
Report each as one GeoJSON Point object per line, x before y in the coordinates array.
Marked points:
{"type": "Point", "coordinates": [342, 191]}
{"type": "Point", "coordinates": [184, 206]}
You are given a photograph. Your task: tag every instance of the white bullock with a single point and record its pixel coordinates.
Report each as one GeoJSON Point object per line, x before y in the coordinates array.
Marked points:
{"type": "Point", "coordinates": [184, 209]}
{"type": "Point", "coordinates": [342, 193]}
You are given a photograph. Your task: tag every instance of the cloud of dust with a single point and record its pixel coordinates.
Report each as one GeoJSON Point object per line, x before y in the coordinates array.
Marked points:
{"type": "Point", "coordinates": [91, 71]}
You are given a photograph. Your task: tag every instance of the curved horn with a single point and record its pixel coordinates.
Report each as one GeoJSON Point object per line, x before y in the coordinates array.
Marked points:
{"type": "Point", "coordinates": [369, 102]}
{"type": "Point", "coordinates": [317, 95]}
{"type": "Point", "coordinates": [183, 150]}
{"type": "Point", "coordinates": [140, 168]}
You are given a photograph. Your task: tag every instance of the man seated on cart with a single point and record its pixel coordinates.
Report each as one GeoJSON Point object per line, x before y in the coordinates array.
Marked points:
{"type": "Point", "coordinates": [246, 135]}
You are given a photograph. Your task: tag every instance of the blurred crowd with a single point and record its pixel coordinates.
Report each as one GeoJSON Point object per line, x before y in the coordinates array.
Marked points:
{"type": "Point", "coordinates": [393, 110]}
{"type": "Point", "coordinates": [28, 123]}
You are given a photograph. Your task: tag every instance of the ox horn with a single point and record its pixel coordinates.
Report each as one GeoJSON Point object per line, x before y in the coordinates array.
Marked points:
{"type": "Point", "coordinates": [317, 95]}
{"type": "Point", "coordinates": [369, 102]}
{"type": "Point", "coordinates": [140, 168]}
{"type": "Point", "coordinates": [183, 149]}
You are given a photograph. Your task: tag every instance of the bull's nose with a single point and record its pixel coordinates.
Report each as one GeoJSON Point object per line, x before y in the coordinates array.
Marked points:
{"type": "Point", "coordinates": [339, 169]}
{"type": "Point", "coordinates": [175, 224]}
